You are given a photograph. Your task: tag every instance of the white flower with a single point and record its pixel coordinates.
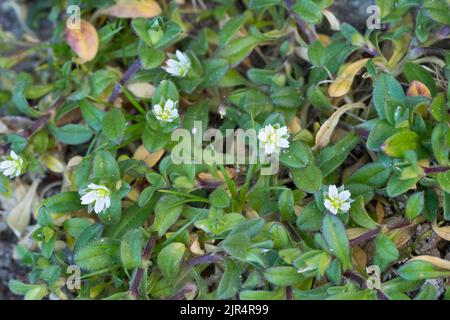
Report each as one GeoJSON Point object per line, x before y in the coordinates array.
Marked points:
{"type": "Point", "coordinates": [166, 111]}
{"type": "Point", "coordinates": [180, 67]}
{"type": "Point", "coordinates": [336, 201]}
{"type": "Point", "coordinates": [12, 165]}
{"type": "Point", "coordinates": [97, 197]}
{"type": "Point", "coordinates": [273, 138]}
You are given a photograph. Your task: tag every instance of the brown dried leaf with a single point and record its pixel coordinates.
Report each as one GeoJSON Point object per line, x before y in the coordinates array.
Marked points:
{"type": "Point", "coordinates": [359, 257]}
{"type": "Point", "coordinates": [344, 81]}
{"type": "Point", "coordinates": [149, 158]}
{"type": "Point", "coordinates": [326, 129]}
{"type": "Point", "coordinates": [133, 9]}
{"type": "Point", "coordinates": [417, 88]}
{"type": "Point", "coordinates": [19, 217]}
{"type": "Point", "coordinates": [84, 41]}
{"type": "Point", "coordinates": [142, 90]}
{"type": "Point", "coordinates": [443, 232]}
{"type": "Point", "coordinates": [353, 233]}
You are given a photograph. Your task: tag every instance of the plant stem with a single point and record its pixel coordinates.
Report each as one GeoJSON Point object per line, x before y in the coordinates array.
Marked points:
{"type": "Point", "coordinates": [135, 67]}
{"type": "Point", "coordinates": [207, 258]}
{"type": "Point", "coordinates": [435, 169]}
{"type": "Point", "coordinates": [303, 26]}
{"type": "Point", "coordinates": [134, 287]}
{"type": "Point", "coordinates": [38, 124]}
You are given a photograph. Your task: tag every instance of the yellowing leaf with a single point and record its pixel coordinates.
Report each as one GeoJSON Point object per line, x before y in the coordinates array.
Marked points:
{"type": "Point", "coordinates": [141, 89]}
{"type": "Point", "coordinates": [133, 9]}
{"type": "Point", "coordinates": [83, 40]}
{"type": "Point", "coordinates": [438, 262]}
{"type": "Point", "coordinates": [53, 163]}
{"type": "Point", "coordinates": [324, 134]}
{"type": "Point", "coordinates": [344, 81]}
{"type": "Point", "coordinates": [19, 217]}
{"type": "Point", "coordinates": [417, 88]}
{"type": "Point", "coordinates": [443, 232]}
{"type": "Point", "coordinates": [353, 233]}
{"type": "Point", "coordinates": [150, 158]}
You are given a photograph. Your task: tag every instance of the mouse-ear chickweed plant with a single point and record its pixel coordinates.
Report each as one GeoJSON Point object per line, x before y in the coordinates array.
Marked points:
{"type": "Point", "coordinates": [354, 125]}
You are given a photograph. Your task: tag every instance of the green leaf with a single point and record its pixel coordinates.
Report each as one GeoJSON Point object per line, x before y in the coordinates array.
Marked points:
{"type": "Point", "coordinates": [308, 10]}
{"type": "Point", "coordinates": [130, 249]}
{"type": "Point", "coordinates": [415, 205]}
{"type": "Point", "coordinates": [317, 54]}
{"type": "Point", "coordinates": [438, 10]}
{"type": "Point", "coordinates": [386, 86]}
{"type": "Point", "coordinates": [374, 174]}
{"type": "Point", "coordinates": [63, 202]}
{"type": "Point", "coordinates": [443, 179]}
{"type": "Point", "coordinates": [97, 255]}
{"type": "Point", "coordinates": [310, 218]}
{"type": "Point", "coordinates": [92, 115]}
{"type": "Point", "coordinates": [167, 212]}
{"type": "Point", "coordinates": [428, 292]}
{"type": "Point", "coordinates": [151, 58]}
{"type": "Point", "coordinates": [333, 231]}
{"type": "Point", "coordinates": [420, 270]}
{"type": "Point", "coordinates": [298, 155]}
{"type": "Point", "coordinates": [283, 276]}
{"type": "Point", "coordinates": [286, 205]}
{"type": "Point", "coordinates": [399, 143]}
{"type": "Point", "coordinates": [170, 258]}
{"type": "Point", "coordinates": [114, 125]}
{"type": "Point", "coordinates": [238, 49]}
{"type": "Point", "coordinates": [330, 158]}
{"type": "Point", "coordinates": [230, 29]}
{"type": "Point", "coordinates": [219, 198]}
{"type": "Point", "coordinates": [385, 251]}
{"type": "Point", "coordinates": [308, 179]}
{"type": "Point", "coordinates": [287, 97]}
{"type": "Point", "coordinates": [359, 214]}
{"type": "Point", "coordinates": [231, 280]}
{"type": "Point", "coordinates": [215, 70]}
{"type": "Point", "coordinates": [105, 166]}
{"type": "Point", "coordinates": [397, 186]}
{"type": "Point", "coordinates": [71, 133]}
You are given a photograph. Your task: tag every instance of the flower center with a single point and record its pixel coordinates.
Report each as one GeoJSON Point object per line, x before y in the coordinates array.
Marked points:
{"type": "Point", "coordinates": [336, 202]}
{"type": "Point", "coordinates": [272, 138]}
{"type": "Point", "coordinates": [102, 193]}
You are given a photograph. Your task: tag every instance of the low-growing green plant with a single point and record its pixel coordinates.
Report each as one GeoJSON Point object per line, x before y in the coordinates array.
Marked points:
{"type": "Point", "coordinates": [355, 123]}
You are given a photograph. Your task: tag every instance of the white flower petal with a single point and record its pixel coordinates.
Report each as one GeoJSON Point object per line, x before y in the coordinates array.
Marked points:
{"type": "Point", "coordinates": [6, 164]}
{"type": "Point", "coordinates": [94, 186]}
{"type": "Point", "coordinates": [333, 191]}
{"type": "Point", "coordinates": [262, 136]}
{"type": "Point", "coordinates": [282, 131]}
{"type": "Point", "coordinates": [99, 205]}
{"type": "Point", "coordinates": [345, 195]}
{"type": "Point", "coordinates": [345, 207]}
{"type": "Point", "coordinates": [283, 143]}
{"type": "Point", "coordinates": [89, 197]}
